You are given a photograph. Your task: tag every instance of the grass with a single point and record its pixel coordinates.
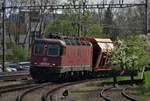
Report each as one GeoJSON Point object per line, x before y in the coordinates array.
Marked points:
{"type": "Point", "coordinates": [147, 79]}
{"type": "Point", "coordinates": [129, 78]}
{"type": "Point", "coordinates": [144, 90]}
{"type": "Point", "coordinates": [99, 83]}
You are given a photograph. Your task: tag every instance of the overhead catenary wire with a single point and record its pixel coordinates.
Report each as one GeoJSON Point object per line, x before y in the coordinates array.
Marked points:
{"type": "Point", "coordinates": [77, 6]}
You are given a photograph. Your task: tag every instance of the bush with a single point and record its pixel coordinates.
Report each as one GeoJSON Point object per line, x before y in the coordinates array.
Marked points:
{"type": "Point", "coordinates": [20, 54]}
{"type": "Point", "coordinates": [120, 58]}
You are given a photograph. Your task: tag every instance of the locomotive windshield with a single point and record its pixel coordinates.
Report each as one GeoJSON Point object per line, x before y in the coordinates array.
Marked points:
{"type": "Point", "coordinates": [53, 50]}
{"type": "Point", "coordinates": [38, 49]}
{"type": "Point", "coordinates": [46, 49]}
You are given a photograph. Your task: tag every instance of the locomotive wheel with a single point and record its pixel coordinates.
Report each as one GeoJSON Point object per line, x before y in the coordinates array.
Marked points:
{"type": "Point", "coordinates": [81, 74]}
{"type": "Point", "coordinates": [75, 75]}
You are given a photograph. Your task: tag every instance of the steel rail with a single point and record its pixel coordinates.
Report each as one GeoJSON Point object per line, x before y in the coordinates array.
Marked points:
{"type": "Point", "coordinates": [123, 93]}
{"type": "Point", "coordinates": [128, 96]}
{"type": "Point", "coordinates": [102, 93]}
{"type": "Point", "coordinates": [14, 87]}
{"type": "Point", "coordinates": [14, 75]}
{"type": "Point", "coordinates": [20, 98]}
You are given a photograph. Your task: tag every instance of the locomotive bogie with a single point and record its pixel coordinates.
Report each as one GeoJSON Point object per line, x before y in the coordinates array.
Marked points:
{"type": "Point", "coordinates": [48, 74]}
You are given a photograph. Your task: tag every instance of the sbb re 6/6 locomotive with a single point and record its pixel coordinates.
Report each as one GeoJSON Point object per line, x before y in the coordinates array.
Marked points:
{"type": "Point", "coordinates": [54, 58]}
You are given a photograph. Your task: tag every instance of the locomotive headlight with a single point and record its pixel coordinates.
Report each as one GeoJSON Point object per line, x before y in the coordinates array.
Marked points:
{"type": "Point", "coordinates": [53, 64]}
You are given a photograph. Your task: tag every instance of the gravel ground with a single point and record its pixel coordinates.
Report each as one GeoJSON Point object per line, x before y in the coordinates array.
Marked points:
{"type": "Point", "coordinates": [11, 96]}
{"type": "Point", "coordinates": [93, 95]}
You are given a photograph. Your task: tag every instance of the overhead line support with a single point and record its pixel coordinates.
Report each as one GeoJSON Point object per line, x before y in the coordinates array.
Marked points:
{"type": "Point", "coordinates": [86, 6]}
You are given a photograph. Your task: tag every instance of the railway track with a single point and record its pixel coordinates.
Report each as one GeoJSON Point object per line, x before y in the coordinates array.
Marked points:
{"type": "Point", "coordinates": [102, 93]}
{"type": "Point", "coordinates": [60, 89]}
{"type": "Point", "coordinates": [49, 91]}
{"type": "Point", "coordinates": [49, 96]}
{"type": "Point", "coordinates": [45, 97]}
{"type": "Point", "coordinates": [36, 92]}
{"type": "Point", "coordinates": [116, 94]}
{"type": "Point", "coordinates": [29, 91]}
{"type": "Point", "coordinates": [128, 96]}
{"type": "Point", "coordinates": [15, 87]}
{"type": "Point", "coordinates": [19, 75]}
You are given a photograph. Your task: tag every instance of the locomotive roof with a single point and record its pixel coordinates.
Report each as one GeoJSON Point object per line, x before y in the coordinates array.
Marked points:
{"type": "Point", "coordinates": [76, 42]}
{"type": "Point", "coordinates": [66, 41]}
{"type": "Point", "coordinates": [51, 41]}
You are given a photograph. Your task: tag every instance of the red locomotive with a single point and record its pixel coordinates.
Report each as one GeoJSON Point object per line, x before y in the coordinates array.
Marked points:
{"type": "Point", "coordinates": [53, 57]}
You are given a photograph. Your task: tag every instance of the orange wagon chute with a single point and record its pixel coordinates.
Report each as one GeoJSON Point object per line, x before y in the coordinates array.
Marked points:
{"type": "Point", "coordinates": [100, 49]}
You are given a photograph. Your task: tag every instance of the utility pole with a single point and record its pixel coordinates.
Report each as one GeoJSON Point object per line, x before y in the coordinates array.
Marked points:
{"type": "Point", "coordinates": [146, 17]}
{"type": "Point", "coordinates": [3, 38]}
{"type": "Point", "coordinates": [41, 17]}
{"type": "Point", "coordinates": [30, 35]}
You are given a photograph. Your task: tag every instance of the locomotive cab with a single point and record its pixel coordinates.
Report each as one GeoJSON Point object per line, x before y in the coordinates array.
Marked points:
{"type": "Point", "coordinates": [46, 55]}
{"type": "Point", "coordinates": [46, 49]}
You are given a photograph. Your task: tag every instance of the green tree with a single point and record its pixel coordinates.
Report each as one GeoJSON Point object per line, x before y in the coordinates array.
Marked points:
{"type": "Point", "coordinates": [120, 58]}
{"type": "Point", "coordinates": [139, 45]}
{"type": "Point", "coordinates": [132, 52]}
{"type": "Point", "coordinates": [95, 31]}
{"type": "Point", "coordinates": [20, 53]}
{"type": "Point", "coordinates": [88, 26]}
{"type": "Point", "coordinates": [76, 22]}
{"type": "Point", "coordinates": [61, 25]}
{"type": "Point", "coordinates": [108, 22]}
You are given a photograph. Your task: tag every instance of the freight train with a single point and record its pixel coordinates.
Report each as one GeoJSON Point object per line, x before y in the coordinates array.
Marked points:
{"type": "Point", "coordinates": [64, 57]}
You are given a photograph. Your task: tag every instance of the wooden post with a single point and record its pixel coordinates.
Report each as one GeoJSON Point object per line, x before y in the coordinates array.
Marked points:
{"type": "Point", "coordinates": [114, 80]}
{"type": "Point", "coordinates": [132, 77]}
